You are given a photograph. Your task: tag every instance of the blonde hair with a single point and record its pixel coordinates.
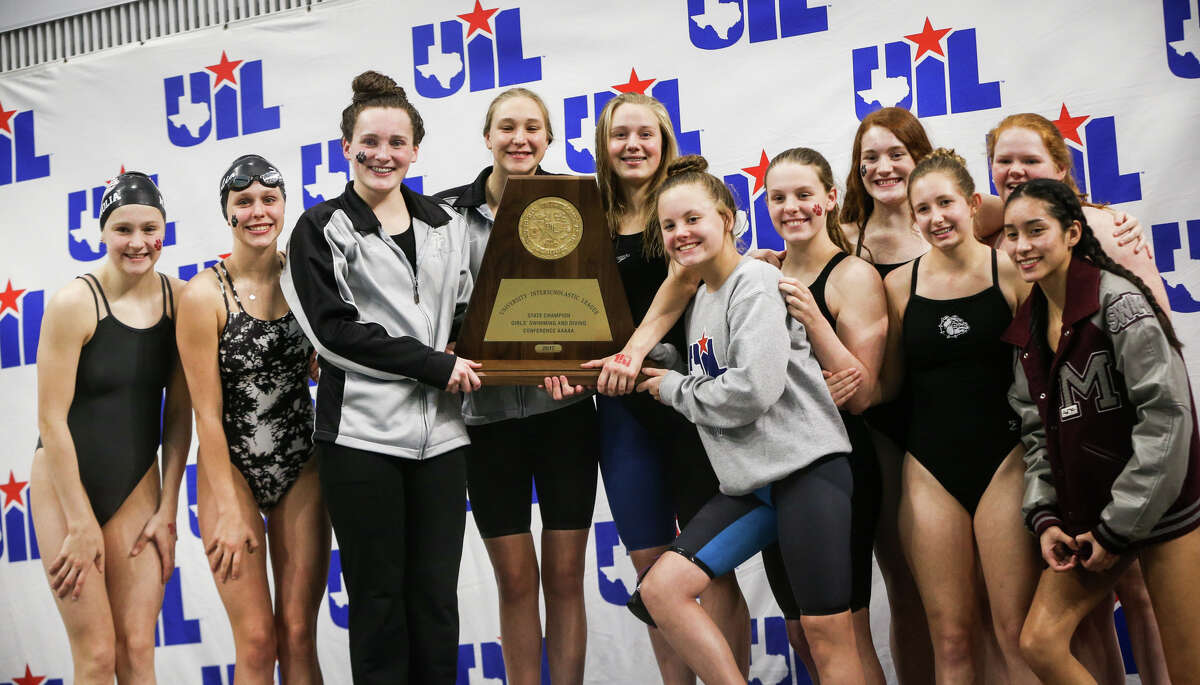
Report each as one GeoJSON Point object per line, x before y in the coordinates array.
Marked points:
{"type": "Point", "coordinates": [519, 92]}
{"type": "Point", "coordinates": [612, 196]}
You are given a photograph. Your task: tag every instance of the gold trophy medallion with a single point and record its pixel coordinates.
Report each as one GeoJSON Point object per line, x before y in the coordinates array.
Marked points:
{"type": "Point", "coordinates": [550, 228]}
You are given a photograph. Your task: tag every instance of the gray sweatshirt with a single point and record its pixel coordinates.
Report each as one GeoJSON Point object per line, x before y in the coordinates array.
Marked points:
{"type": "Point", "coordinates": [754, 388]}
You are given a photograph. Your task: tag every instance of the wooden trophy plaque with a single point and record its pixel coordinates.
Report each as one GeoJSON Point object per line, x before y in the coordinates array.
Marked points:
{"type": "Point", "coordinates": [548, 296]}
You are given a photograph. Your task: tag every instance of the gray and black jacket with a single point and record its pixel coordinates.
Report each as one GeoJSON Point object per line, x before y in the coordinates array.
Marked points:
{"type": "Point", "coordinates": [1107, 420]}
{"type": "Point", "coordinates": [489, 405]}
{"type": "Point", "coordinates": [379, 328]}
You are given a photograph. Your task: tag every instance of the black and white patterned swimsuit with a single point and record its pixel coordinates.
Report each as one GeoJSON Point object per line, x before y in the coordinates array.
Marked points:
{"type": "Point", "coordinates": [268, 412]}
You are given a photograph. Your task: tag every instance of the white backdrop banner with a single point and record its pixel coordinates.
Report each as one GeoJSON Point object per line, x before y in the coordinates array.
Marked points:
{"type": "Point", "coordinates": [742, 79]}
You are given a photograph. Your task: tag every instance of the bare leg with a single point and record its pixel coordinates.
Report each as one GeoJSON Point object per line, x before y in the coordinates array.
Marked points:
{"type": "Point", "coordinates": [1143, 627]}
{"type": "Point", "coordinates": [832, 645]}
{"type": "Point", "coordinates": [135, 584]}
{"type": "Point", "coordinates": [724, 603]}
{"type": "Point", "coordinates": [299, 539]}
{"type": "Point", "coordinates": [671, 666]}
{"type": "Point", "coordinates": [670, 590]}
{"type": "Point", "coordinates": [247, 598]}
{"type": "Point", "coordinates": [88, 620]}
{"type": "Point", "coordinates": [939, 542]}
{"type": "Point", "coordinates": [799, 643]}
{"type": "Point", "coordinates": [1008, 556]}
{"type": "Point", "coordinates": [515, 565]}
{"type": "Point", "coordinates": [563, 554]}
{"type": "Point", "coordinates": [1062, 600]}
{"type": "Point", "coordinates": [1096, 644]}
{"type": "Point", "coordinates": [1170, 571]}
{"type": "Point", "coordinates": [911, 648]}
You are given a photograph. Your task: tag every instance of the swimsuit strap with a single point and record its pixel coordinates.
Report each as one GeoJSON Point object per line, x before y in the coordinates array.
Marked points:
{"type": "Point", "coordinates": [994, 276]}
{"type": "Point", "coordinates": [95, 301]}
{"type": "Point", "coordinates": [232, 290]}
{"type": "Point", "coordinates": [916, 267]}
{"type": "Point", "coordinates": [167, 295]}
{"type": "Point", "coordinates": [829, 266]}
{"type": "Point", "coordinates": [91, 279]}
{"type": "Point", "coordinates": [221, 285]}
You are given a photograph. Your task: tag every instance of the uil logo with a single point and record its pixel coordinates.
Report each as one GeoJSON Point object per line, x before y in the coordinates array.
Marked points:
{"type": "Point", "coordinates": [576, 112]}
{"type": "Point", "coordinates": [938, 80]}
{"type": "Point", "coordinates": [174, 627]}
{"type": "Point", "coordinates": [20, 325]}
{"type": "Point", "coordinates": [18, 541]}
{"type": "Point", "coordinates": [757, 231]}
{"type": "Point", "coordinates": [1168, 238]}
{"type": "Point", "coordinates": [702, 357]}
{"type": "Point", "coordinates": [617, 577]}
{"type": "Point", "coordinates": [214, 97]}
{"type": "Point", "coordinates": [442, 64]}
{"type": "Point", "coordinates": [716, 24]}
{"type": "Point", "coordinates": [772, 661]}
{"type": "Point", "coordinates": [19, 159]}
{"type": "Point", "coordinates": [1096, 166]}
{"type": "Point", "coordinates": [1181, 19]}
{"type": "Point", "coordinates": [324, 172]}
{"type": "Point", "coordinates": [83, 241]}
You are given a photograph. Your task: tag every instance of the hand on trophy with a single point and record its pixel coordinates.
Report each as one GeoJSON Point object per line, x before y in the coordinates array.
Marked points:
{"type": "Point", "coordinates": [463, 378]}
{"type": "Point", "coordinates": [618, 372]}
{"type": "Point", "coordinates": [560, 388]}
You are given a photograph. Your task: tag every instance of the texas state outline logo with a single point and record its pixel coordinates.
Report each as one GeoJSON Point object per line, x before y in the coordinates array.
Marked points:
{"type": "Point", "coordinates": [941, 78]}
{"type": "Point", "coordinates": [1168, 239]}
{"type": "Point", "coordinates": [482, 49]}
{"type": "Point", "coordinates": [717, 24]}
{"type": "Point", "coordinates": [1181, 24]}
{"type": "Point", "coordinates": [325, 171]}
{"type": "Point", "coordinates": [576, 111]}
{"type": "Point", "coordinates": [225, 98]}
{"type": "Point", "coordinates": [19, 160]}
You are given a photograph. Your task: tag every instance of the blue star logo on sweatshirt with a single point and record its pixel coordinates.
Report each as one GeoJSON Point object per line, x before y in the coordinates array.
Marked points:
{"type": "Point", "coordinates": [700, 354]}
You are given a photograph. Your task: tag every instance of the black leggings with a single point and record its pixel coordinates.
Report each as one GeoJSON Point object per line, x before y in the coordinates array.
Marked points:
{"type": "Point", "coordinates": [808, 512]}
{"type": "Point", "coordinates": [399, 525]}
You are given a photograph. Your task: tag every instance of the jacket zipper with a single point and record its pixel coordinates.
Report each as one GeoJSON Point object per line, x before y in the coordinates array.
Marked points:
{"type": "Point", "coordinates": [429, 328]}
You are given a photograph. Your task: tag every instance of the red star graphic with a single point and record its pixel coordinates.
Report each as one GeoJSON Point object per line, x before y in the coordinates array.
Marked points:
{"type": "Point", "coordinates": [12, 490]}
{"type": "Point", "coordinates": [1068, 125]}
{"type": "Point", "coordinates": [122, 170]}
{"type": "Point", "coordinates": [703, 342]}
{"type": "Point", "coordinates": [5, 115]}
{"type": "Point", "coordinates": [8, 298]}
{"type": "Point", "coordinates": [478, 19]}
{"type": "Point", "coordinates": [224, 70]}
{"type": "Point", "coordinates": [29, 679]}
{"type": "Point", "coordinates": [758, 172]}
{"type": "Point", "coordinates": [928, 40]}
{"type": "Point", "coordinates": [634, 85]}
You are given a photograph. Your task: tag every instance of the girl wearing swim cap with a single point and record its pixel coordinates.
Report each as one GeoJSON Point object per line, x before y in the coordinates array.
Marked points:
{"type": "Point", "coordinates": [103, 511]}
{"type": "Point", "coordinates": [247, 364]}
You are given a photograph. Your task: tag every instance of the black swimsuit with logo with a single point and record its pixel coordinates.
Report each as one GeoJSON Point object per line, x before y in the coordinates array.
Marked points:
{"type": "Point", "coordinates": [960, 371]}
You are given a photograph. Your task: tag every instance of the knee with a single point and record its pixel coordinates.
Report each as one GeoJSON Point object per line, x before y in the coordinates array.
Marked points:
{"type": "Point", "coordinates": [95, 659]}
{"type": "Point", "coordinates": [256, 645]}
{"type": "Point", "coordinates": [1008, 633]}
{"type": "Point", "coordinates": [822, 636]}
{"type": "Point", "coordinates": [136, 648]}
{"type": "Point", "coordinates": [1041, 644]}
{"type": "Point", "coordinates": [660, 588]}
{"type": "Point", "coordinates": [296, 635]}
{"type": "Point", "coordinates": [563, 582]}
{"type": "Point", "coordinates": [517, 584]}
{"type": "Point", "coordinates": [953, 642]}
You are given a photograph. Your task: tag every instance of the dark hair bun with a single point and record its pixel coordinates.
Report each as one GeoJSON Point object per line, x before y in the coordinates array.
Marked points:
{"type": "Point", "coordinates": [687, 164]}
{"type": "Point", "coordinates": [370, 84]}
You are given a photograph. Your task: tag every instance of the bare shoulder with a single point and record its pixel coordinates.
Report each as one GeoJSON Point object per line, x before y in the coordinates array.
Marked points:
{"type": "Point", "coordinates": [1014, 287]}
{"type": "Point", "coordinates": [201, 293]}
{"type": "Point", "coordinates": [855, 272]}
{"type": "Point", "coordinates": [71, 313]}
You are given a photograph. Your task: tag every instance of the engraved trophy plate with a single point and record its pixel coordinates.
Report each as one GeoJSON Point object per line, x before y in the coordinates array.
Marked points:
{"type": "Point", "coordinates": [550, 228]}
{"type": "Point", "coordinates": [548, 310]}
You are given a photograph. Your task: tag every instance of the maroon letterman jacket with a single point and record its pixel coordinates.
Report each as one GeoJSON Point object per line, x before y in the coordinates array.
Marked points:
{"type": "Point", "coordinates": [1107, 421]}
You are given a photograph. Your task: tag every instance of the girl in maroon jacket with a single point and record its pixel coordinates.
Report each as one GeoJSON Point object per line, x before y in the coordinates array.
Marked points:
{"type": "Point", "coordinates": [1113, 458]}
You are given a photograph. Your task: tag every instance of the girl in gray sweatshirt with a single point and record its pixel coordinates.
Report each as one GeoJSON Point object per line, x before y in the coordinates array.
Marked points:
{"type": "Point", "coordinates": [772, 431]}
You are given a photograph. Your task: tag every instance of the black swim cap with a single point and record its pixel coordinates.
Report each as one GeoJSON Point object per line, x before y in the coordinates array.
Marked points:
{"type": "Point", "coordinates": [246, 170]}
{"type": "Point", "coordinates": [130, 188]}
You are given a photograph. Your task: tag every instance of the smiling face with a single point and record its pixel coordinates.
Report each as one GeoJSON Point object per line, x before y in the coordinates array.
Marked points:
{"type": "Point", "coordinates": [885, 164]}
{"type": "Point", "coordinates": [797, 201]}
{"type": "Point", "coordinates": [694, 230]}
{"type": "Point", "coordinates": [940, 210]}
{"type": "Point", "coordinates": [1020, 156]}
{"type": "Point", "coordinates": [385, 136]}
{"type": "Point", "coordinates": [518, 136]}
{"type": "Point", "coordinates": [133, 237]}
{"type": "Point", "coordinates": [259, 213]}
{"type": "Point", "coordinates": [1036, 241]}
{"type": "Point", "coordinates": [634, 144]}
